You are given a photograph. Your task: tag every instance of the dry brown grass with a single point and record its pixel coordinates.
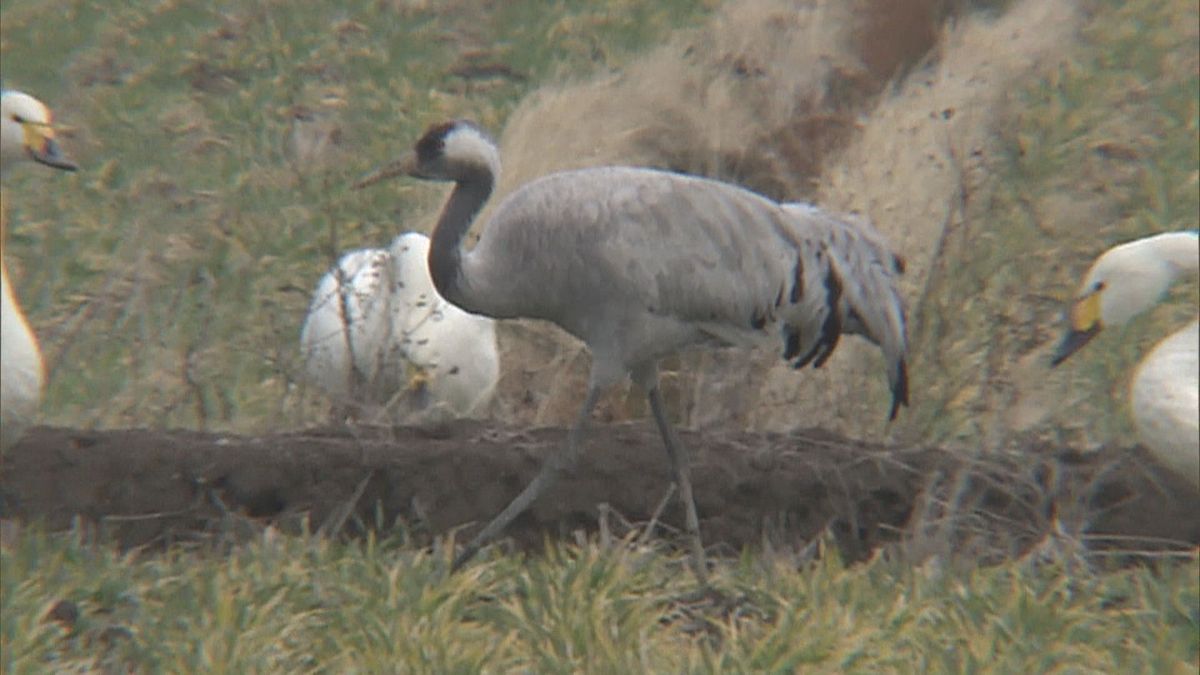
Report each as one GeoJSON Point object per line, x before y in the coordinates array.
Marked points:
{"type": "Point", "coordinates": [749, 98]}
{"type": "Point", "coordinates": [919, 162]}
{"type": "Point", "coordinates": [759, 96]}
{"type": "Point", "coordinates": [791, 100]}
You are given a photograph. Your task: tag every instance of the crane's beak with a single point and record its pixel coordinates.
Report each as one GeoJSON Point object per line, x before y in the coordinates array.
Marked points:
{"type": "Point", "coordinates": [42, 148]}
{"type": "Point", "coordinates": [405, 166]}
{"type": "Point", "coordinates": [1085, 325]}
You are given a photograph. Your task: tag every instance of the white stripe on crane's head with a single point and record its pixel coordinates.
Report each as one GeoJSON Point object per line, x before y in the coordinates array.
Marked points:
{"type": "Point", "coordinates": [464, 142]}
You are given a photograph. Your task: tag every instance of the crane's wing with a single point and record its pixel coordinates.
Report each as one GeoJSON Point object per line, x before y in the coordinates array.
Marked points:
{"type": "Point", "coordinates": [732, 261]}
{"type": "Point", "coordinates": [692, 257]}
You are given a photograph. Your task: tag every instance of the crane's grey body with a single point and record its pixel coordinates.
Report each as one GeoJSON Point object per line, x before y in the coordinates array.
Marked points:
{"type": "Point", "coordinates": [640, 263]}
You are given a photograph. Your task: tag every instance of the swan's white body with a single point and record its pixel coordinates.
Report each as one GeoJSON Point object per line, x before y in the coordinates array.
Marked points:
{"type": "Point", "coordinates": [455, 349]}
{"type": "Point", "coordinates": [1165, 396]}
{"type": "Point", "coordinates": [25, 134]}
{"type": "Point", "coordinates": [343, 356]}
{"type": "Point", "coordinates": [404, 339]}
{"type": "Point", "coordinates": [21, 379]}
{"type": "Point", "coordinates": [1165, 391]}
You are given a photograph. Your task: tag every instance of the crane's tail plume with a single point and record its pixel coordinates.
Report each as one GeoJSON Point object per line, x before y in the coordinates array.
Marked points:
{"type": "Point", "coordinates": [876, 312]}
{"type": "Point", "coordinates": [860, 292]}
{"type": "Point", "coordinates": [899, 388]}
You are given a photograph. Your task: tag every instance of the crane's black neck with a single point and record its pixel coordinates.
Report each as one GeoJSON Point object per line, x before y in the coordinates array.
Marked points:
{"type": "Point", "coordinates": [471, 190]}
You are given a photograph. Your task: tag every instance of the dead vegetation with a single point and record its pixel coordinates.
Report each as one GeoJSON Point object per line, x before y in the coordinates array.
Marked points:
{"type": "Point", "coordinates": [886, 109]}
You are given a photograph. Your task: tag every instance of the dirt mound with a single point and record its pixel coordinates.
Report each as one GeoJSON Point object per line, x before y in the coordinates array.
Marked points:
{"type": "Point", "coordinates": [143, 487]}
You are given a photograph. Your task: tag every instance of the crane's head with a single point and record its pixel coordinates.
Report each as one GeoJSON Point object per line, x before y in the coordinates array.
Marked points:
{"type": "Point", "coordinates": [27, 132]}
{"type": "Point", "coordinates": [1122, 283]}
{"type": "Point", "coordinates": [457, 151]}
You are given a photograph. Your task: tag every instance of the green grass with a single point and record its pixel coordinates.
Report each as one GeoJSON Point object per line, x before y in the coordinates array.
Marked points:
{"type": "Point", "coordinates": [298, 604]}
{"type": "Point", "coordinates": [168, 279]}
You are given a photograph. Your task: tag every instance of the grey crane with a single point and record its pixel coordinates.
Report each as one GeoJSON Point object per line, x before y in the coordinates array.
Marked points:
{"type": "Point", "coordinates": [640, 263]}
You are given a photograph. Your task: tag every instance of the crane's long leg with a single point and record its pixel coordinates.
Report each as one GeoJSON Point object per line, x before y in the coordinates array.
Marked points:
{"type": "Point", "coordinates": [553, 467]}
{"type": "Point", "coordinates": [681, 466]}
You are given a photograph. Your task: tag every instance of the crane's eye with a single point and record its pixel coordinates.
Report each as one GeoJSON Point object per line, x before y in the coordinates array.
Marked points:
{"type": "Point", "coordinates": [1098, 286]}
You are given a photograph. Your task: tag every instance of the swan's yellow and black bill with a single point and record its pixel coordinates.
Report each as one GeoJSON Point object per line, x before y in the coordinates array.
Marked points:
{"type": "Point", "coordinates": [418, 379]}
{"type": "Point", "coordinates": [1072, 342]}
{"type": "Point", "coordinates": [42, 148]}
{"type": "Point", "coordinates": [1085, 325]}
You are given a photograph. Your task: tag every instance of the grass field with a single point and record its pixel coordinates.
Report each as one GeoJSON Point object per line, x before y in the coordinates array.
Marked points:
{"type": "Point", "coordinates": [218, 143]}
{"type": "Point", "coordinates": [292, 604]}
{"type": "Point", "coordinates": [168, 279]}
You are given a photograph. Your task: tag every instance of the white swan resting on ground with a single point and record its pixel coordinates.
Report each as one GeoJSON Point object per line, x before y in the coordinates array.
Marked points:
{"type": "Point", "coordinates": [407, 345]}
{"type": "Point", "coordinates": [1165, 392]}
{"type": "Point", "coordinates": [26, 133]}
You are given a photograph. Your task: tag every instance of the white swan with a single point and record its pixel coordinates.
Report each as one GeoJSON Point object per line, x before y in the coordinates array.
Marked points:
{"type": "Point", "coordinates": [343, 356]}
{"type": "Point", "coordinates": [26, 133]}
{"type": "Point", "coordinates": [405, 341]}
{"type": "Point", "coordinates": [454, 350]}
{"type": "Point", "coordinates": [1165, 392]}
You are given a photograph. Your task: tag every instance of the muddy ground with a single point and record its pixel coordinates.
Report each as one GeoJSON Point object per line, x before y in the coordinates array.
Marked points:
{"type": "Point", "coordinates": [144, 487]}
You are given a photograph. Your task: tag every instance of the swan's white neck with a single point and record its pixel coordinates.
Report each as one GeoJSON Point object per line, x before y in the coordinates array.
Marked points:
{"type": "Point", "coordinates": [1180, 250]}
{"type": "Point", "coordinates": [1138, 273]}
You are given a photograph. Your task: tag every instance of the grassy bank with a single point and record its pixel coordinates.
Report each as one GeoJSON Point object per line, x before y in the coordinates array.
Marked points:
{"type": "Point", "coordinates": [281, 604]}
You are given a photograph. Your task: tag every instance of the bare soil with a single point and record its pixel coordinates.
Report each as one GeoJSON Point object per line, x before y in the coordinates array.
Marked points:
{"type": "Point", "coordinates": [151, 488]}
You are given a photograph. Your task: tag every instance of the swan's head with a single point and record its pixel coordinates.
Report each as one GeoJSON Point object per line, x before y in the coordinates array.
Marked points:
{"type": "Point", "coordinates": [27, 132]}
{"type": "Point", "coordinates": [1124, 282]}
{"type": "Point", "coordinates": [451, 151]}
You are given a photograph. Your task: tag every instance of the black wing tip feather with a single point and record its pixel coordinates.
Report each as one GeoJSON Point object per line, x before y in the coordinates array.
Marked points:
{"type": "Point", "coordinates": [899, 390]}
